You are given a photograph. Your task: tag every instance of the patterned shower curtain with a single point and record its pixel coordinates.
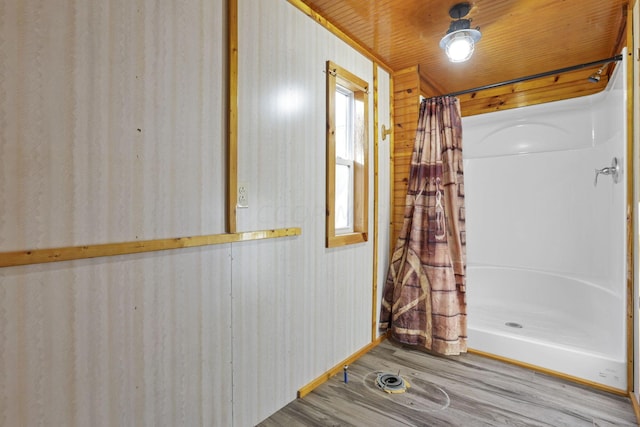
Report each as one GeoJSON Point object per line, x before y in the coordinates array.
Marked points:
{"type": "Point", "coordinates": [424, 300]}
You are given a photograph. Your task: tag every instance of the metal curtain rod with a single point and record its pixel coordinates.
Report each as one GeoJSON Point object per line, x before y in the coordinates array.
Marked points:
{"type": "Point", "coordinates": [535, 76]}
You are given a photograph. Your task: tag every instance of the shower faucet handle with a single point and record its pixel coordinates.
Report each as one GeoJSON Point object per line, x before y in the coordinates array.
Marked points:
{"type": "Point", "coordinates": [603, 171]}
{"type": "Point", "coordinates": [613, 170]}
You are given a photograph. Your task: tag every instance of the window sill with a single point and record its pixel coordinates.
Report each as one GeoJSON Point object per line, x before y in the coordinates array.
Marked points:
{"type": "Point", "coordinates": [346, 239]}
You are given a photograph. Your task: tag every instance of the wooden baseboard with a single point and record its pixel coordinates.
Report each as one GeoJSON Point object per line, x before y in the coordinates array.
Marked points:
{"type": "Point", "coordinates": [551, 372]}
{"type": "Point", "coordinates": [636, 405]}
{"type": "Point", "coordinates": [339, 367]}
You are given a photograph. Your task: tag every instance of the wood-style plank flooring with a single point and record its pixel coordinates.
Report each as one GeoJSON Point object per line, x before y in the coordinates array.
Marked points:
{"type": "Point", "coordinates": [467, 390]}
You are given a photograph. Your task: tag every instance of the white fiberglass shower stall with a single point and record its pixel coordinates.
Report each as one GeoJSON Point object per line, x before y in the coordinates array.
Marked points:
{"type": "Point", "coordinates": [546, 245]}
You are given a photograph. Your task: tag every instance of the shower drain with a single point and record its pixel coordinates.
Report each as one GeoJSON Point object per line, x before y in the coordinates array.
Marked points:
{"type": "Point", "coordinates": [513, 325]}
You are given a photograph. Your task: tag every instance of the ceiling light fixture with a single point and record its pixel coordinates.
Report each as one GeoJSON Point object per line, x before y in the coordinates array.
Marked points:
{"type": "Point", "coordinates": [461, 38]}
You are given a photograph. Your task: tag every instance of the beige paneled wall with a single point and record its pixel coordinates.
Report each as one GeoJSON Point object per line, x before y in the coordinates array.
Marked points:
{"type": "Point", "coordinates": [281, 123]}
{"type": "Point", "coordinates": [130, 341]}
{"type": "Point", "coordinates": [110, 121]}
{"type": "Point", "coordinates": [383, 196]}
{"type": "Point", "coordinates": [299, 308]}
{"type": "Point", "coordinates": [113, 129]}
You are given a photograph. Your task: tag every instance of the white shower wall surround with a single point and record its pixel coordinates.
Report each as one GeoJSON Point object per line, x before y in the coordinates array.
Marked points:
{"type": "Point", "coordinates": [545, 246]}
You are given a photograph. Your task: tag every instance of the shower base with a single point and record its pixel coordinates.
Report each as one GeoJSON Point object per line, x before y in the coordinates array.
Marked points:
{"type": "Point", "coordinates": [556, 322]}
{"type": "Point", "coordinates": [546, 338]}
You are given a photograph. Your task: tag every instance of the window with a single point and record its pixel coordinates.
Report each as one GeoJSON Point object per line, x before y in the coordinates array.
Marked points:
{"type": "Point", "coordinates": [347, 156]}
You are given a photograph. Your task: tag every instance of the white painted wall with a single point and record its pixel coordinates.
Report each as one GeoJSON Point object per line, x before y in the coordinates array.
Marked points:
{"type": "Point", "coordinates": [112, 129]}
{"type": "Point", "coordinates": [299, 308]}
{"type": "Point", "coordinates": [105, 111]}
{"type": "Point", "coordinates": [384, 190]}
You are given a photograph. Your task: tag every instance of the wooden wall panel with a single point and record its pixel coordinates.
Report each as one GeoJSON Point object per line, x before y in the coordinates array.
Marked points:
{"type": "Point", "coordinates": [554, 88]}
{"type": "Point", "coordinates": [406, 95]}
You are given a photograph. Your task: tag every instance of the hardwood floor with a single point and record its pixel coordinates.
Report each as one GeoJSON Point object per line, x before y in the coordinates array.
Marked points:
{"type": "Point", "coordinates": [467, 390]}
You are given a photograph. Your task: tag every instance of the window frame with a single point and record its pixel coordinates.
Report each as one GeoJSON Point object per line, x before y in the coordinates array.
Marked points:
{"type": "Point", "coordinates": [358, 233]}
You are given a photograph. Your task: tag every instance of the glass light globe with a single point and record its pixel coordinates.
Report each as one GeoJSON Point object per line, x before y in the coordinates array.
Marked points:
{"type": "Point", "coordinates": [459, 44]}
{"type": "Point", "coordinates": [460, 48]}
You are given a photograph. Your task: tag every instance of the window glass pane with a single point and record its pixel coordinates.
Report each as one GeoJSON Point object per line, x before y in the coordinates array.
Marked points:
{"type": "Point", "coordinates": [343, 124]}
{"type": "Point", "coordinates": [342, 214]}
{"type": "Point", "coordinates": [358, 132]}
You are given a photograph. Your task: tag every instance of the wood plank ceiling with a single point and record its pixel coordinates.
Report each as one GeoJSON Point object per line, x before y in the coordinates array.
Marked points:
{"type": "Point", "coordinates": [519, 37]}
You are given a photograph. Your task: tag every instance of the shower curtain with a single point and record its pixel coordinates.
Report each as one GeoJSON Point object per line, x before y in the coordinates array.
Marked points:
{"type": "Point", "coordinates": [423, 300]}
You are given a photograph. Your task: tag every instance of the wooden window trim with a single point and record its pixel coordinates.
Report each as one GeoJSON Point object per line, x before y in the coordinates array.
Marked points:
{"type": "Point", "coordinates": [338, 75]}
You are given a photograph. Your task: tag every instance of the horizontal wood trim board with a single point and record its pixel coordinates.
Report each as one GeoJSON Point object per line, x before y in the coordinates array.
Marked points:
{"type": "Point", "coordinates": [339, 367]}
{"type": "Point", "coordinates": [485, 105]}
{"type": "Point", "coordinates": [522, 89]}
{"type": "Point", "coordinates": [40, 256]}
{"type": "Point", "coordinates": [551, 372]}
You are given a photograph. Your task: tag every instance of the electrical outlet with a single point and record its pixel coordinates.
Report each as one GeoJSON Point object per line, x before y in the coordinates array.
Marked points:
{"type": "Point", "coordinates": [243, 195]}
